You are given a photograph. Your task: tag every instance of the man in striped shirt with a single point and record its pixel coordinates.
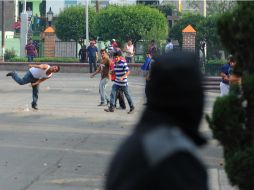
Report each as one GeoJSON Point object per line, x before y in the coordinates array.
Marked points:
{"type": "Point", "coordinates": [121, 71]}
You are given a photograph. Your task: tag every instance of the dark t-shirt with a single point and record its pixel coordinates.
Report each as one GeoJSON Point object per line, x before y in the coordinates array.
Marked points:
{"type": "Point", "coordinates": [225, 69]}
{"type": "Point", "coordinates": [92, 51]}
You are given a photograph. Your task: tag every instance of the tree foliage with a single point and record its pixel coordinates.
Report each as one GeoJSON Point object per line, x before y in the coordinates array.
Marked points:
{"type": "Point", "coordinates": [236, 31]}
{"type": "Point", "coordinates": [213, 6]}
{"type": "Point", "coordinates": [148, 2]}
{"type": "Point", "coordinates": [131, 22]}
{"type": "Point", "coordinates": [166, 9]}
{"type": "Point", "coordinates": [42, 8]}
{"type": "Point", "coordinates": [70, 24]}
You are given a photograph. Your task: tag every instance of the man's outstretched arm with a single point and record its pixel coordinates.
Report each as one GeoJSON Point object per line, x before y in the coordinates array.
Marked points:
{"type": "Point", "coordinates": [38, 82]}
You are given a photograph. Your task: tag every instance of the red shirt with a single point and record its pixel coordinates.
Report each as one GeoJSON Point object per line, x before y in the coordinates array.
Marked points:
{"type": "Point", "coordinates": [30, 49]}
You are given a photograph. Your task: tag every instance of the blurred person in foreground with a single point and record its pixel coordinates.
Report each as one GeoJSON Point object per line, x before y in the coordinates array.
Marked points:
{"type": "Point", "coordinates": [161, 152]}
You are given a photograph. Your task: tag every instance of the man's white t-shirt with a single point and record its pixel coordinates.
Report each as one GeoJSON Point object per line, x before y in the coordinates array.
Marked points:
{"type": "Point", "coordinates": [40, 73]}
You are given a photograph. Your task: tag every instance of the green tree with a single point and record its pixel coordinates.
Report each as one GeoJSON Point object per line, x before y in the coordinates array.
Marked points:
{"type": "Point", "coordinates": [213, 6]}
{"type": "Point", "coordinates": [232, 119]}
{"type": "Point", "coordinates": [42, 8]}
{"type": "Point", "coordinates": [131, 22]}
{"type": "Point", "coordinates": [70, 24]}
{"type": "Point", "coordinates": [165, 9]}
{"type": "Point", "coordinates": [148, 2]}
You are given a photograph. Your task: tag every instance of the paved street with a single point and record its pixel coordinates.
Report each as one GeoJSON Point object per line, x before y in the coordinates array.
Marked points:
{"type": "Point", "coordinates": [67, 143]}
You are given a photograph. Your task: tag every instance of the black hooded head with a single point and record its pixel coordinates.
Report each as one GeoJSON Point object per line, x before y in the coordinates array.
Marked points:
{"type": "Point", "coordinates": [175, 93]}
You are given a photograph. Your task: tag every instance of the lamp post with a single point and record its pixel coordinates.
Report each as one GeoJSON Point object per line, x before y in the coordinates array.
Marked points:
{"type": "Point", "coordinates": [23, 30]}
{"type": "Point", "coordinates": [50, 16]}
{"type": "Point", "coordinates": [3, 32]}
{"type": "Point", "coordinates": [87, 32]}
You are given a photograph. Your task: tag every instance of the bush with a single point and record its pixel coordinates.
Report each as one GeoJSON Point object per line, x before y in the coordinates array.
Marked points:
{"type": "Point", "coordinates": [233, 115]}
{"type": "Point", "coordinates": [9, 54]}
{"type": "Point", "coordinates": [239, 168]}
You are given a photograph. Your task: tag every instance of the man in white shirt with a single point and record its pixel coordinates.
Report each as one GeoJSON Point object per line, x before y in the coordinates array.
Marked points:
{"type": "Point", "coordinates": [169, 46]}
{"type": "Point", "coordinates": [35, 75]}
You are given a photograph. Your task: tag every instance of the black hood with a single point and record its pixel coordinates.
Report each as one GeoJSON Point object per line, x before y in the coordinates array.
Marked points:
{"type": "Point", "coordinates": [175, 94]}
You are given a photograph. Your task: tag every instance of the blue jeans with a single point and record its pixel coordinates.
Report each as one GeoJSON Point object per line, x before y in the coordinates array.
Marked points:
{"type": "Point", "coordinates": [129, 59]}
{"type": "Point", "coordinates": [92, 64]}
{"type": "Point", "coordinates": [102, 90]}
{"type": "Point", "coordinates": [116, 88]}
{"type": "Point", "coordinates": [28, 78]}
{"type": "Point", "coordinates": [30, 58]}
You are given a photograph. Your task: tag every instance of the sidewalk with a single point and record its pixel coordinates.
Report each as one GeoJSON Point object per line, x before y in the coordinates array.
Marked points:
{"type": "Point", "coordinates": [218, 180]}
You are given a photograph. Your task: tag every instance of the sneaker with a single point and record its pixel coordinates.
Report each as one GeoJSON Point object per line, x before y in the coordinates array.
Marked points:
{"type": "Point", "coordinates": [34, 107]}
{"type": "Point", "coordinates": [9, 74]}
{"type": "Point", "coordinates": [131, 110]}
{"type": "Point", "coordinates": [110, 109]}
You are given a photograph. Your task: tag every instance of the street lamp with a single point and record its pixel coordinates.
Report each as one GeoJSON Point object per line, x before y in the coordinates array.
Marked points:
{"type": "Point", "coordinates": [3, 32]}
{"type": "Point", "coordinates": [50, 16]}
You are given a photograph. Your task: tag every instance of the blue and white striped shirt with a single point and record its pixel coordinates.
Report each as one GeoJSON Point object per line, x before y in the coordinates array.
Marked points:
{"type": "Point", "coordinates": [120, 69]}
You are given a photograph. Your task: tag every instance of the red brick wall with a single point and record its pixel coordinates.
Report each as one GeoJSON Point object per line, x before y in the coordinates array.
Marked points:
{"type": "Point", "coordinates": [189, 40]}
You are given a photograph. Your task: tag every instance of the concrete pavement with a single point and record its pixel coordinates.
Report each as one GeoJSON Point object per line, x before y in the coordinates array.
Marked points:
{"type": "Point", "coordinates": [68, 143]}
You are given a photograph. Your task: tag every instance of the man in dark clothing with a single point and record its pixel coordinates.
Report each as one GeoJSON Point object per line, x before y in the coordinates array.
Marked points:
{"type": "Point", "coordinates": [82, 54]}
{"type": "Point", "coordinates": [92, 54]}
{"type": "Point", "coordinates": [160, 153]}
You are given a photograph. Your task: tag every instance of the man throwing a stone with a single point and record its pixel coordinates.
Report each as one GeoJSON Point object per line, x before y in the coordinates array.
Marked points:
{"type": "Point", "coordinates": [35, 75]}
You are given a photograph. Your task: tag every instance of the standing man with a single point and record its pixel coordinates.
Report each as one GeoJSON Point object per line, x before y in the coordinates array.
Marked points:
{"type": "Point", "coordinates": [35, 75]}
{"type": "Point", "coordinates": [82, 54]}
{"type": "Point", "coordinates": [224, 73]}
{"type": "Point", "coordinates": [92, 54]}
{"type": "Point", "coordinates": [146, 67]}
{"type": "Point", "coordinates": [31, 51]}
{"type": "Point", "coordinates": [121, 71]}
{"type": "Point", "coordinates": [103, 68]}
{"type": "Point", "coordinates": [130, 51]}
{"type": "Point", "coordinates": [169, 46]}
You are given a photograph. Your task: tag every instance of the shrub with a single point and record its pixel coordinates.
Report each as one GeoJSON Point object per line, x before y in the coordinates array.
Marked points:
{"type": "Point", "coordinates": [9, 54]}
{"type": "Point", "coordinates": [233, 115]}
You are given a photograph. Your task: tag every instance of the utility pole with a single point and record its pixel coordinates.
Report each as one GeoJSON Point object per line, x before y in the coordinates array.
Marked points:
{"type": "Point", "coordinates": [87, 31]}
{"type": "Point", "coordinates": [204, 8]}
{"type": "Point", "coordinates": [97, 6]}
{"type": "Point", "coordinates": [23, 30]}
{"type": "Point", "coordinates": [3, 33]}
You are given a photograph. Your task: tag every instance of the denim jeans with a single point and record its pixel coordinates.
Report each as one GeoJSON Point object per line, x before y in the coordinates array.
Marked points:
{"type": "Point", "coordinates": [30, 58]}
{"type": "Point", "coordinates": [92, 64]}
{"type": "Point", "coordinates": [116, 88]}
{"type": "Point", "coordinates": [102, 90]}
{"type": "Point", "coordinates": [28, 78]}
{"type": "Point", "coordinates": [129, 59]}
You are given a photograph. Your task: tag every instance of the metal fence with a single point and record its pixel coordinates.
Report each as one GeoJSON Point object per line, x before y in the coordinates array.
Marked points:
{"type": "Point", "coordinates": [66, 49]}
